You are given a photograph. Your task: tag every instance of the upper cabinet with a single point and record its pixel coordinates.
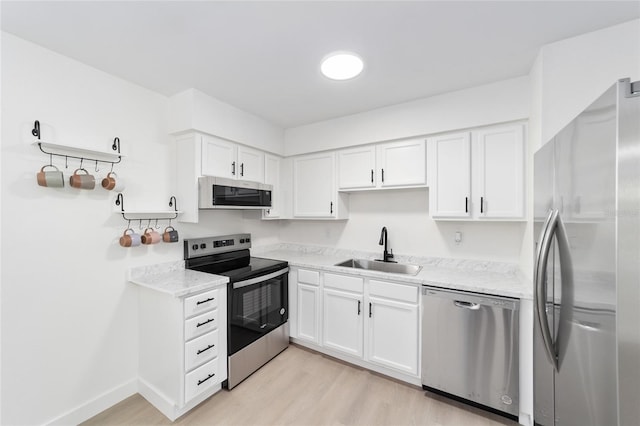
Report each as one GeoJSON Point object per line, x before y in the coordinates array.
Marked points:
{"type": "Point", "coordinates": [315, 193]}
{"type": "Point", "coordinates": [232, 161]}
{"type": "Point", "coordinates": [388, 165]}
{"type": "Point", "coordinates": [477, 175]}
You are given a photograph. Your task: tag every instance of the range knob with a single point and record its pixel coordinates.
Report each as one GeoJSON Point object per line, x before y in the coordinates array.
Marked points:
{"type": "Point", "coordinates": [194, 247]}
{"type": "Point", "coordinates": [203, 246]}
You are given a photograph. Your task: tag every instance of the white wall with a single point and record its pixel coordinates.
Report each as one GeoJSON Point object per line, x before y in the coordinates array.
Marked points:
{"type": "Point", "coordinates": [411, 231]}
{"type": "Point", "coordinates": [69, 324]}
{"type": "Point", "coordinates": [194, 110]}
{"type": "Point", "coordinates": [506, 100]}
{"type": "Point", "coordinates": [576, 71]}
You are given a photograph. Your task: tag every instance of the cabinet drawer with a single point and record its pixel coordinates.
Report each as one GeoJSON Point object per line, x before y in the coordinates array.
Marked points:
{"type": "Point", "coordinates": [200, 325]}
{"type": "Point", "coordinates": [201, 379]}
{"type": "Point", "coordinates": [200, 303]}
{"type": "Point", "coordinates": [344, 282]}
{"type": "Point", "coordinates": [405, 293]}
{"type": "Point", "coordinates": [200, 350]}
{"type": "Point", "coordinates": [308, 277]}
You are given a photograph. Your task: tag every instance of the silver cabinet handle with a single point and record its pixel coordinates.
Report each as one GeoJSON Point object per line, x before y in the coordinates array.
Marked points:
{"type": "Point", "coordinates": [466, 305]}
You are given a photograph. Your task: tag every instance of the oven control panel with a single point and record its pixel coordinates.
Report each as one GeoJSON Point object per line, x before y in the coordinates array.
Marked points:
{"type": "Point", "coordinates": [196, 247]}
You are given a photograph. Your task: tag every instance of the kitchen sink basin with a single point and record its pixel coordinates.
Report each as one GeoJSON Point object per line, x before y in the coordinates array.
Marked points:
{"type": "Point", "coordinates": [378, 265]}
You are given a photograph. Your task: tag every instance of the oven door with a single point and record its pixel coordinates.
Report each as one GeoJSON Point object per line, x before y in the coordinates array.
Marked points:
{"type": "Point", "coordinates": [256, 307]}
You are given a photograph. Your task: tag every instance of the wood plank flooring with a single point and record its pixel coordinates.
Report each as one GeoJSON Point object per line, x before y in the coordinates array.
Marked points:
{"type": "Point", "coordinates": [302, 387]}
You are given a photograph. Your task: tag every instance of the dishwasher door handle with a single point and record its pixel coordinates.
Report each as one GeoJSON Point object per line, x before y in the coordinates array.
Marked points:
{"type": "Point", "coordinates": [466, 305]}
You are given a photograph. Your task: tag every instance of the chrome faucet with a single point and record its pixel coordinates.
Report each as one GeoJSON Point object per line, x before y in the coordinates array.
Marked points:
{"type": "Point", "coordinates": [386, 255]}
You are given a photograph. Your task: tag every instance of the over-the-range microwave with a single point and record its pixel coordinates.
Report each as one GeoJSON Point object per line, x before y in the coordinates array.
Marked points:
{"type": "Point", "coordinates": [223, 193]}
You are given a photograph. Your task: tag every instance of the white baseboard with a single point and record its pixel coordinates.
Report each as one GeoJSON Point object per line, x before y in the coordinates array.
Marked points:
{"type": "Point", "coordinates": [96, 405]}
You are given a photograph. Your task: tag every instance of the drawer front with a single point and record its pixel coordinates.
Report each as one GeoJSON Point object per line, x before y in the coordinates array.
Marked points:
{"type": "Point", "coordinates": [200, 303]}
{"type": "Point", "coordinates": [200, 325]}
{"type": "Point", "coordinates": [404, 293]}
{"type": "Point", "coordinates": [200, 350]}
{"type": "Point", "coordinates": [344, 282]}
{"type": "Point", "coordinates": [201, 379]}
{"type": "Point", "coordinates": [308, 277]}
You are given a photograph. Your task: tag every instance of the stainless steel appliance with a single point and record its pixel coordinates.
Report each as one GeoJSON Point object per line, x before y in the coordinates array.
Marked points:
{"type": "Point", "coordinates": [470, 347]}
{"type": "Point", "coordinates": [587, 266]}
{"type": "Point", "coordinates": [257, 300]}
{"type": "Point", "coordinates": [222, 193]}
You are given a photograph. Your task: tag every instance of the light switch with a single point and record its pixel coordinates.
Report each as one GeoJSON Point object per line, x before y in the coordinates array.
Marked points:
{"type": "Point", "coordinates": [458, 237]}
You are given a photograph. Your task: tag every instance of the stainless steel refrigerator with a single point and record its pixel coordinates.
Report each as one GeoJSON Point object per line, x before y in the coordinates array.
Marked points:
{"type": "Point", "coordinates": [587, 266]}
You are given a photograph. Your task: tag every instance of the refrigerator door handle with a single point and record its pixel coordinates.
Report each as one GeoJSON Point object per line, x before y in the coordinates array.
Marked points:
{"type": "Point", "coordinates": [542, 258]}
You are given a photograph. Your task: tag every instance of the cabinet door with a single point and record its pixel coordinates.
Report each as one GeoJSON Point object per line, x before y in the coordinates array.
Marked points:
{"type": "Point", "coordinates": [393, 334]}
{"type": "Point", "coordinates": [272, 177]}
{"type": "Point", "coordinates": [218, 157]}
{"type": "Point", "coordinates": [449, 158]}
{"type": "Point", "coordinates": [250, 164]}
{"type": "Point", "coordinates": [342, 321]}
{"type": "Point", "coordinates": [314, 187]}
{"type": "Point", "coordinates": [402, 163]}
{"type": "Point", "coordinates": [308, 313]}
{"type": "Point", "coordinates": [356, 168]}
{"type": "Point", "coordinates": [498, 178]}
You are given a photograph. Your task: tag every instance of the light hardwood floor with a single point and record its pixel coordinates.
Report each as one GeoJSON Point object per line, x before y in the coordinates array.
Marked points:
{"type": "Point", "coordinates": [302, 387]}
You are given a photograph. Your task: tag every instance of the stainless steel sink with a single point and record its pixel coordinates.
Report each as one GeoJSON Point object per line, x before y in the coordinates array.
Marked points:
{"type": "Point", "coordinates": [377, 265]}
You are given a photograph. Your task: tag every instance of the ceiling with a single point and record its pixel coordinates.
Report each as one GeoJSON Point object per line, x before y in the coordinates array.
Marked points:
{"type": "Point", "coordinates": [263, 57]}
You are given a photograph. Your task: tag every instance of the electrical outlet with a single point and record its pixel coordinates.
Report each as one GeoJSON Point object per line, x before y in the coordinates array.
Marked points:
{"type": "Point", "coordinates": [458, 237]}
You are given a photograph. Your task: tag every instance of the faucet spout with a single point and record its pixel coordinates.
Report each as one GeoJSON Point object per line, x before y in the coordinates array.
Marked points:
{"type": "Point", "coordinates": [386, 255]}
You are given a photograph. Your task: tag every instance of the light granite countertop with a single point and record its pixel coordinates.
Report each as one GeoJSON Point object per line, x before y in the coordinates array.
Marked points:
{"type": "Point", "coordinates": [172, 278]}
{"type": "Point", "coordinates": [495, 278]}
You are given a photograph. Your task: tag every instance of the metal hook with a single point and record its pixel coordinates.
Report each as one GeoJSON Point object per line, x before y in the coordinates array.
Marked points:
{"type": "Point", "coordinates": [129, 224]}
{"type": "Point", "coordinates": [140, 224]}
{"type": "Point", "coordinates": [157, 226]}
{"type": "Point", "coordinates": [36, 129]}
{"type": "Point", "coordinates": [97, 170]}
{"type": "Point", "coordinates": [66, 162]}
{"type": "Point", "coordinates": [51, 159]}
{"type": "Point", "coordinates": [81, 161]}
{"type": "Point", "coordinates": [116, 144]}
{"type": "Point", "coordinates": [111, 167]}
{"type": "Point", "coordinates": [149, 224]}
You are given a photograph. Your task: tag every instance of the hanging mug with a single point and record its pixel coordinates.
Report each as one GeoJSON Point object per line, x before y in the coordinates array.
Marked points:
{"type": "Point", "coordinates": [82, 181]}
{"type": "Point", "coordinates": [170, 235]}
{"type": "Point", "coordinates": [130, 239]}
{"type": "Point", "coordinates": [50, 179]}
{"type": "Point", "coordinates": [150, 236]}
{"type": "Point", "coordinates": [113, 183]}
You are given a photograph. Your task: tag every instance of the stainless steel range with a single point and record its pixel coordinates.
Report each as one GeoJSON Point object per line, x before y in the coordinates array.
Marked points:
{"type": "Point", "coordinates": [257, 300]}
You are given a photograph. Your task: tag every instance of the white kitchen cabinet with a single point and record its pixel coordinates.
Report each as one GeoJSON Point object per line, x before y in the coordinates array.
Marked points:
{"type": "Point", "coordinates": [498, 172]}
{"type": "Point", "coordinates": [183, 347]}
{"type": "Point", "coordinates": [308, 306]}
{"type": "Point", "coordinates": [402, 164]}
{"type": "Point", "coordinates": [272, 177]}
{"type": "Point", "coordinates": [393, 326]}
{"type": "Point", "coordinates": [389, 165]}
{"type": "Point", "coordinates": [357, 168]}
{"type": "Point", "coordinates": [477, 175]}
{"type": "Point", "coordinates": [315, 194]}
{"type": "Point", "coordinates": [343, 313]}
{"type": "Point", "coordinates": [449, 170]}
{"type": "Point", "coordinates": [229, 160]}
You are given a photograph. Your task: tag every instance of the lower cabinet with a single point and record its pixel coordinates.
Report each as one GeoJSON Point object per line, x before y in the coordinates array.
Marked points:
{"type": "Point", "coordinates": [373, 323]}
{"type": "Point", "coordinates": [183, 348]}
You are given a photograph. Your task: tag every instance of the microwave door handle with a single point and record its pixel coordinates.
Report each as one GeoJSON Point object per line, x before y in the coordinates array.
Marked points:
{"type": "Point", "coordinates": [542, 259]}
{"type": "Point", "coordinates": [260, 279]}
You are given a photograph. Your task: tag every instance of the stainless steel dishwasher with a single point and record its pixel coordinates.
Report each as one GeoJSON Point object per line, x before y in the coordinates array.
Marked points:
{"type": "Point", "coordinates": [470, 347]}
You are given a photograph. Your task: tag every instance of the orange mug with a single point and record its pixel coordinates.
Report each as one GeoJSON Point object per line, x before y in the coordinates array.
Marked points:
{"type": "Point", "coordinates": [113, 183]}
{"type": "Point", "coordinates": [82, 181]}
{"type": "Point", "coordinates": [150, 236]}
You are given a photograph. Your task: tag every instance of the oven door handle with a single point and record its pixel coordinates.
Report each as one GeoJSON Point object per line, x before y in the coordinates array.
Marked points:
{"type": "Point", "coordinates": [260, 279]}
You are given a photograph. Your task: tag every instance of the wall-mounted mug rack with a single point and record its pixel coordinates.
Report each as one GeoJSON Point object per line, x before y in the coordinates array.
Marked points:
{"type": "Point", "coordinates": [149, 215]}
{"type": "Point", "coordinates": [81, 154]}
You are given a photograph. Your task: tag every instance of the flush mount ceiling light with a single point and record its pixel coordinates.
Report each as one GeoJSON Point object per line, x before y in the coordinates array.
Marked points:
{"type": "Point", "coordinates": [341, 66]}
